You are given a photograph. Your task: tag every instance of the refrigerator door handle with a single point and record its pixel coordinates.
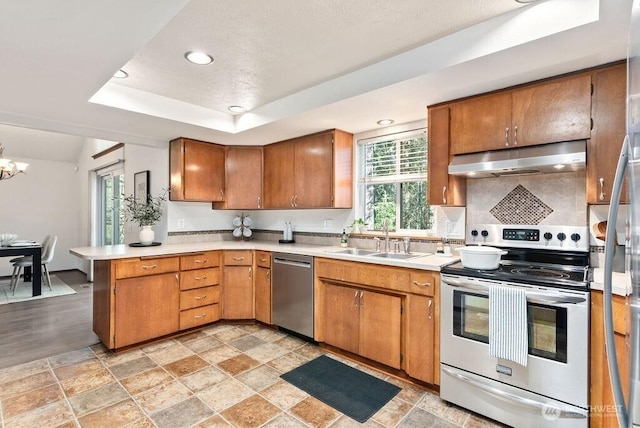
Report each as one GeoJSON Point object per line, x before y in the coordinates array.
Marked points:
{"type": "Point", "coordinates": [614, 373]}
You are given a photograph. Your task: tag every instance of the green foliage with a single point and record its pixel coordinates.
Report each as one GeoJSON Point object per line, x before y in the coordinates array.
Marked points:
{"type": "Point", "coordinates": [145, 213]}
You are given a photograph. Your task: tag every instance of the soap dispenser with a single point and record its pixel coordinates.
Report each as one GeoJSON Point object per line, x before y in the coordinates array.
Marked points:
{"type": "Point", "coordinates": [344, 241]}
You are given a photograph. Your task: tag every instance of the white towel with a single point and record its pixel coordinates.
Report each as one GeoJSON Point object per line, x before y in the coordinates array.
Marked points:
{"type": "Point", "coordinates": [508, 337]}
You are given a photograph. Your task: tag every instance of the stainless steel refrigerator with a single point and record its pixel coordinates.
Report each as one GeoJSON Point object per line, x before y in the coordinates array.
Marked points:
{"type": "Point", "coordinates": [629, 167]}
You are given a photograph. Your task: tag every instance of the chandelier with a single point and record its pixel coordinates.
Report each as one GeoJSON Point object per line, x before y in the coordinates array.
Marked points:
{"type": "Point", "coordinates": [9, 169]}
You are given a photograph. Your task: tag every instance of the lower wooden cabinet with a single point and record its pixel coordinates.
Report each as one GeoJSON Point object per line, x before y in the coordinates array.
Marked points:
{"type": "Point", "coordinates": [263, 287]}
{"type": "Point", "coordinates": [386, 314]}
{"type": "Point", "coordinates": [603, 409]}
{"type": "Point", "coordinates": [145, 308]}
{"type": "Point", "coordinates": [238, 300]}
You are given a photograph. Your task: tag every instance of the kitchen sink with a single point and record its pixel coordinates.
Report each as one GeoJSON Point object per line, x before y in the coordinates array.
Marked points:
{"type": "Point", "coordinates": [354, 252]}
{"type": "Point", "coordinates": [399, 256]}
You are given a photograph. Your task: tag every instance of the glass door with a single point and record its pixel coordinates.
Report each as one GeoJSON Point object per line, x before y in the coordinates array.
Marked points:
{"type": "Point", "coordinates": [110, 207]}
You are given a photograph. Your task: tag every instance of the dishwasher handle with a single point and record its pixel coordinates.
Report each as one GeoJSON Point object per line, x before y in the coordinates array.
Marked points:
{"type": "Point", "coordinates": [291, 263]}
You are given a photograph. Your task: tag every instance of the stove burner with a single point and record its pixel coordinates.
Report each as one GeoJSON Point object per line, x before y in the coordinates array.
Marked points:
{"type": "Point", "coordinates": [541, 272]}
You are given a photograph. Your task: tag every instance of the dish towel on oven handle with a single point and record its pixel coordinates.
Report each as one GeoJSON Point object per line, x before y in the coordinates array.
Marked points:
{"type": "Point", "coordinates": [508, 336]}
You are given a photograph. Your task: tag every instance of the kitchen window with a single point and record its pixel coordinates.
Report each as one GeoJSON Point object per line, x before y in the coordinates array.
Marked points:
{"type": "Point", "coordinates": [392, 181]}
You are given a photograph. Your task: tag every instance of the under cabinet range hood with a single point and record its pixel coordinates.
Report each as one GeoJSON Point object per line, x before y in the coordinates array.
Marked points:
{"type": "Point", "coordinates": [543, 159]}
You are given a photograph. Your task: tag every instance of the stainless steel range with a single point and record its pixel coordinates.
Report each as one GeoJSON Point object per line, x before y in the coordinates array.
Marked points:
{"type": "Point", "coordinates": [551, 265]}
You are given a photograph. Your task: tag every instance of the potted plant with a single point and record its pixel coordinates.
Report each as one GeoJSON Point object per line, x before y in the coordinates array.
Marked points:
{"type": "Point", "coordinates": [146, 214]}
{"type": "Point", "coordinates": [359, 225]}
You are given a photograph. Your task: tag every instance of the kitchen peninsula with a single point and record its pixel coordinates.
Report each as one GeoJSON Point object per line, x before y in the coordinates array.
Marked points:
{"type": "Point", "coordinates": [142, 294]}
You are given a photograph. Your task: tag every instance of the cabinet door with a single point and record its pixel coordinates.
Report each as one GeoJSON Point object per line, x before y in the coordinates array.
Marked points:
{"type": "Point", "coordinates": [609, 113]}
{"type": "Point", "coordinates": [380, 332]}
{"type": "Point", "coordinates": [443, 189]}
{"type": "Point", "coordinates": [342, 317]}
{"type": "Point", "coordinates": [243, 178]}
{"type": "Point", "coordinates": [203, 171]}
{"type": "Point", "coordinates": [237, 292]}
{"type": "Point", "coordinates": [419, 361]}
{"type": "Point", "coordinates": [146, 307]}
{"type": "Point", "coordinates": [314, 171]}
{"type": "Point", "coordinates": [481, 124]}
{"type": "Point", "coordinates": [263, 294]}
{"type": "Point", "coordinates": [279, 175]}
{"type": "Point", "coordinates": [552, 112]}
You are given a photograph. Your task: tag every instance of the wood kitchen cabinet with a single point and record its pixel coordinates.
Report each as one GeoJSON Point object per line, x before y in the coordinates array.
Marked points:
{"type": "Point", "coordinates": [387, 314]}
{"type": "Point", "coordinates": [243, 178]}
{"type": "Point", "coordinates": [363, 322]}
{"type": "Point", "coordinates": [314, 171]}
{"type": "Point", "coordinates": [444, 189]}
{"type": "Point", "coordinates": [200, 289]}
{"type": "Point", "coordinates": [237, 290]}
{"type": "Point", "coordinates": [197, 171]}
{"type": "Point", "coordinates": [135, 299]}
{"type": "Point", "coordinates": [603, 149]}
{"type": "Point", "coordinates": [547, 112]}
{"type": "Point", "coordinates": [601, 397]}
{"type": "Point", "coordinates": [263, 286]}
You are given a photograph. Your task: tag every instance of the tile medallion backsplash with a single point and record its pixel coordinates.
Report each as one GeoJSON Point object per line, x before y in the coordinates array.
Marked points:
{"type": "Point", "coordinates": [552, 199]}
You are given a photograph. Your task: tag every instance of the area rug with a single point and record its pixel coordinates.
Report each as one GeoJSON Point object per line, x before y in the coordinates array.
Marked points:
{"type": "Point", "coordinates": [23, 292]}
{"type": "Point", "coordinates": [350, 391]}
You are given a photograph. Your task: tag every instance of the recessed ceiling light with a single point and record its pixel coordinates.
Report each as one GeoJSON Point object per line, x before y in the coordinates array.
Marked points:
{"type": "Point", "coordinates": [199, 58]}
{"type": "Point", "coordinates": [385, 122]}
{"type": "Point", "coordinates": [526, 1]}
{"type": "Point", "coordinates": [121, 74]}
{"type": "Point", "coordinates": [237, 109]}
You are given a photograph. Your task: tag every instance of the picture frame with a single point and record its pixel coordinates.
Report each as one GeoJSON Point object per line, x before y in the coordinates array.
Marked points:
{"type": "Point", "coordinates": [141, 186]}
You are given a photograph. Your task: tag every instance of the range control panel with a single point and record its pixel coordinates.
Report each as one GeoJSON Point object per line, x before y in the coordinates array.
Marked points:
{"type": "Point", "coordinates": [574, 238]}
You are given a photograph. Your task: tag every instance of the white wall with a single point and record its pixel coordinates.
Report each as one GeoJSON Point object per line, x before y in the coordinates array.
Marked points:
{"type": "Point", "coordinates": [45, 200]}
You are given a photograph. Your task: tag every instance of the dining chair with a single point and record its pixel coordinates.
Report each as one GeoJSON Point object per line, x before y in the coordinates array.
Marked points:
{"type": "Point", "coordinates": [45, 243]}
{"type": "Point", "coordinates": [47, 256]}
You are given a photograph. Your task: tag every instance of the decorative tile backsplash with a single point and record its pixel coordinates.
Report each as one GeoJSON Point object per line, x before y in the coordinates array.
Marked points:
{"type": "Point", "coordinates": [493, 200]}
{"type": "Point", "coordinates": [520, 206]}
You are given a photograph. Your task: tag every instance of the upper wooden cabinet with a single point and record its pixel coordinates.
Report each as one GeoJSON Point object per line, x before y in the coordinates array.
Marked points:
{"type": "Point", "coordinates": [609, 103]}
{"type": "Point", "coordinates": [444, 189]}
{"type": "Point", "coordinates": [243, 178]}
{"type": "Point", "coordinates": [314, 171]}
{"type": "Point", "coordinates": [197, 171]}
{"type": "Point", "coordinates": [553, 111]}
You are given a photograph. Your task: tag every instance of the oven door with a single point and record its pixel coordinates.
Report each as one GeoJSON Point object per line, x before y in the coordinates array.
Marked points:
{"type": "Point", "coordinates": [558, 329]}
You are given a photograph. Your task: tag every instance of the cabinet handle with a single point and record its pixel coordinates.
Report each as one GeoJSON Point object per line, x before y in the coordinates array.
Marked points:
{"type": "Point", "coordinates": [601, 197]}
{"type": "Point", "coordinates": [355, 299]}
{"type": "Point", "coordinates": [422, 284]}
{"type": "Point", "coordinates": [362, 299]}
{"type": "Point", "coordinates": [197, 317]}
{"type": "Point", "coordinates": [199, 278]}
{"type": "Point", "coordinates": [149, 266]}
{"type": "Point", "coordinates": [429, 314]}
{"type": "Point", "coordinates": [292, 196]}
{"type": "Point", "coordinates": [515, 135]}
{"type": "Point", "coordinates": [204, 296]}
{"type": "Point", "coordinates": [506, 137]}
{"type": "Point", "coordinates": [269, 274]}
{"type": "Point", "coordinates": [222, 194]}
{"type": "Point", "coordinates": [295, 201]}
{"type": "Point", "coordinates": [250, 272]}
{"type": "Point", "coordinates": [444, 195]}
{"type": "Point", "coordinates": [238, 259]}
{"type": "Point", "coordinates": [259, 202]}
{"type": "Point", "coordinates": [200, 261]}
{"type": "Point", "coordinates": [263, 260]}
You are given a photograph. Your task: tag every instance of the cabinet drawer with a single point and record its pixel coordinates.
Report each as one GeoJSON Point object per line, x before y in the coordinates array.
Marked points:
{"type": "Point", "coordinates": [263, 259]}
{"type": "Point", "coordinates": [129, 268]}
{"type": "Point", "coordinates": [199, 261]}
{"type": "Point", "coordinates": [199, 297]}
{"type": "Point", "coordinates": [238, 258]}
{"type": "Point", "coordinates": [199, 316]}
{"type": "Point", "coordinates": [199, 278]}
{"type": "Point", "coordinates": [422, 283]}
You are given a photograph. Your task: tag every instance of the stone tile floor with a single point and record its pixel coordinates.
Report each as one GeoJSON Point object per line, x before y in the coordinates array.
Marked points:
{"type": "Point", "coordinates": [225, 375]}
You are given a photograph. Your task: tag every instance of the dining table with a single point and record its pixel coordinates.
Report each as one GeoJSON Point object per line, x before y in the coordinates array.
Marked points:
{"type": "Point", "coordinates": [28, 248]}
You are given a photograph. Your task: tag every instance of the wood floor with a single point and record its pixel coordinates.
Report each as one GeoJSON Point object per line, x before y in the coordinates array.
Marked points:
{"type": "Point", "coordinates": [47, 327]}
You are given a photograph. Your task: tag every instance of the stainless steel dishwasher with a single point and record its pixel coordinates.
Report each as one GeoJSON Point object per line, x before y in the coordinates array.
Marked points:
{"type": "Point", "coordinates": [292, 293]}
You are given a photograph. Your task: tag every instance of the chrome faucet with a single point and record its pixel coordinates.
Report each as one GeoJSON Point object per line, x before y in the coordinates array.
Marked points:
{"type": "Point", "coordinates": [385, 229]}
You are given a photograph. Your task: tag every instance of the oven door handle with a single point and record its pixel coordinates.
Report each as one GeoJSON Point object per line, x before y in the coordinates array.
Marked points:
{"type": "Point", "coordinates": [545, 299]}
{"type": "Point", "coordinates": [507, 396]}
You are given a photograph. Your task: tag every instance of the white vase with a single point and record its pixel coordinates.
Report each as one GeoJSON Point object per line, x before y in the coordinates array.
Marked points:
{"type": "Point", "coordinates": [146, 235]}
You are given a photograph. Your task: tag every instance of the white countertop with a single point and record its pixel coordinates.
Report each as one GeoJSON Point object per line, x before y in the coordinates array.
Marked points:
{"type": "Point", "coordinates": [425, 262]}
{"type": "Point", "coordinates": [621, 282]}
